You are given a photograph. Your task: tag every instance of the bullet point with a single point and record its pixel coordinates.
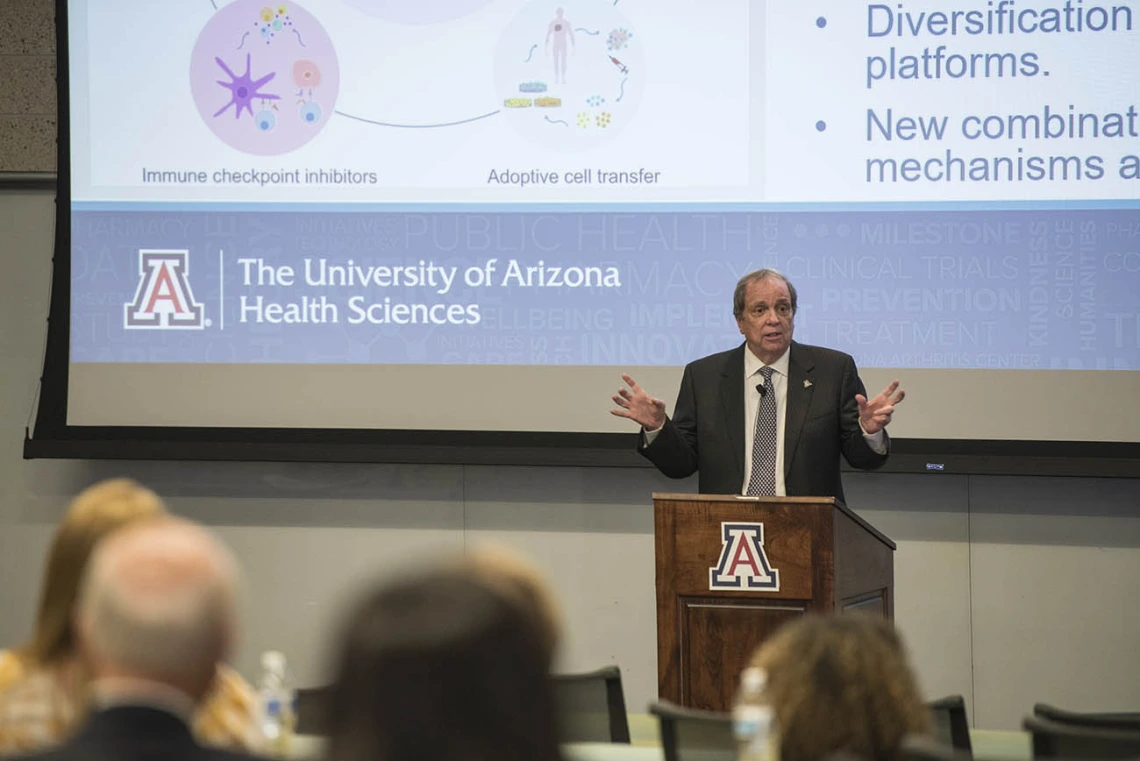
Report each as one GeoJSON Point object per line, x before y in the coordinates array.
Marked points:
{"type": "Point", "coordinates": [821, 125]}
{"type": "Point", "coordinates": [821, 22]}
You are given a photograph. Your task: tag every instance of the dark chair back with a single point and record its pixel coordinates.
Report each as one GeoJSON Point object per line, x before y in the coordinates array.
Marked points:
{"type": "Point", "coordinates": [951, 726]}
{"type": "Point", "coordinates": [1129, 721]}
{"type": "Point", "coordinates": [311, 708]}
{"type": "Point", "coordinates": [691, 735]}
{"type": "Point", "coordinates": [1052, 740]}
{"type": "Point", "coordinates": [591, 706]}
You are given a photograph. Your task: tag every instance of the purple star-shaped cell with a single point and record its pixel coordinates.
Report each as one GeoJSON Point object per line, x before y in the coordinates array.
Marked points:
{"type": "Point", "coordinates": [243, 89]}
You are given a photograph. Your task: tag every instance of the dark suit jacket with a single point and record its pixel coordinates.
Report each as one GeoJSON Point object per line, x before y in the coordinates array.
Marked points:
{"type": "Point", "coordinates": [706, 432]}
{"type": "Point", "coordinates": [134, 733]}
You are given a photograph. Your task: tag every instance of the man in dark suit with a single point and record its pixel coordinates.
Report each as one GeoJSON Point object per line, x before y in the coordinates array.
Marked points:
{"type": "Point", "coordinates": [770, 417]}
{"type": "Point", "coordinates": [154, 619]}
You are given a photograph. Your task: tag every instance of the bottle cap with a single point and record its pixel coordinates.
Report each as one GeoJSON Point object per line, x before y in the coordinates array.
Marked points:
{"type": "Point", "coordinates": [273, 661]}
{"type": "Point", "coordinates": [753, 679]}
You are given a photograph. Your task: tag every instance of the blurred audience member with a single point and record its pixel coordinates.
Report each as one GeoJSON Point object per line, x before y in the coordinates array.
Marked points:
{"type": "Point", "coordinates": [44, 683]}
{"type": "Point", "coordinates": [439, 668]}
{"type": "Point", "coordinates": [841, 683]}
{"type": "Point", "coordinates": [155, 617]}
{"type": "Point", "coordinates": [519, 580]}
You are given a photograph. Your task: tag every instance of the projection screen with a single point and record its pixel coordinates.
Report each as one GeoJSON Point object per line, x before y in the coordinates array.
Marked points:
{"type": "Point", "coordinates": [471, 216]}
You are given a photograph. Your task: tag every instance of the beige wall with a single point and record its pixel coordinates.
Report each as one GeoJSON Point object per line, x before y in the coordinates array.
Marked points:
{"type": "Point", "coordinates": [27, 106]}
{"type": "Point", "coordinates": [1009, 590]}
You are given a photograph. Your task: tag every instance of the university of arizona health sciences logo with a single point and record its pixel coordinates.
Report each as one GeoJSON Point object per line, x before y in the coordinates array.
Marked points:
{"type": "Point", "coordinates": [163, 298]}
{"type": "Point", "coordinates": [743, 563]}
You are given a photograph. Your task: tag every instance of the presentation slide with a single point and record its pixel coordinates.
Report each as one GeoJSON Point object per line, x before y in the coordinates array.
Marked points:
{"type": "Point", "coordinates": [317, 214]}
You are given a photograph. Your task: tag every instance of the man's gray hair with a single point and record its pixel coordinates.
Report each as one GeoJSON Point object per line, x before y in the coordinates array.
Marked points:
{"type": "Point", "coordinates": [158, 600]}
{"type": "Point", "coordinates": [752, 277]}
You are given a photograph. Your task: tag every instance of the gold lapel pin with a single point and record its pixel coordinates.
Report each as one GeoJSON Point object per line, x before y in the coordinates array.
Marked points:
{"type": "Point", "coordinates": [807, 384]}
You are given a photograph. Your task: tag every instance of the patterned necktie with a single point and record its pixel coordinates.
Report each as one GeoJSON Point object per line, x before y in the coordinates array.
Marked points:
{"type": "Point", "coordinates": [762, 480]}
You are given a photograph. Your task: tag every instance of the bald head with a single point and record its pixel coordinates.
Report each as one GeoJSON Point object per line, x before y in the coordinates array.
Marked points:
{"type": "Point", "coordinates": [157, 604]}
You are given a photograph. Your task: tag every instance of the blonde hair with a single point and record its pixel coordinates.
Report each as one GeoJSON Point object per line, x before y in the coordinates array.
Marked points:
{"type": "Point", "coordinates": [94, 513]}
{"type": "Point", "coordinates": [841, 683]}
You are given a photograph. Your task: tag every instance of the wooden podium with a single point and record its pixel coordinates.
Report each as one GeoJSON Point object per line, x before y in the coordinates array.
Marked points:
{"type": "Point", "coordinates": [724, 583]}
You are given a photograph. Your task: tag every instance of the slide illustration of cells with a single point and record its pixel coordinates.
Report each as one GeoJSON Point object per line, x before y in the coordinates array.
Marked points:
{"type": "Point", "coordinates": [618, 39]}
{"type": "Point", "coordinates": [244, 89]}
{"type": "Point", "coordinates": [570, 48]}
{"type": "Point", "coordinates": [291, 44]}
{"type": "Point", "coordinates": [274, 21]}
{"type": "Point", "coordinates": [310, 113]}
{"type": "Point", "coordinates": [306, 74]}
{"type": "Point", "coordinates": [307, 77]}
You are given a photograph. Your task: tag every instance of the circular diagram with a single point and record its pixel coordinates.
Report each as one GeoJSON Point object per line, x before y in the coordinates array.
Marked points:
{"type": "Point", "coordinates": [264, 77]}
{"type": "Point", "coordinates": [569, 76]}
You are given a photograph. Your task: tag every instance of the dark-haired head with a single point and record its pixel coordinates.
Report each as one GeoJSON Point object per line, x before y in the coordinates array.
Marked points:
{"type": "Point", "coordinates": [442, 668]}
{"type": "Point", "coordinates": [738, 293]}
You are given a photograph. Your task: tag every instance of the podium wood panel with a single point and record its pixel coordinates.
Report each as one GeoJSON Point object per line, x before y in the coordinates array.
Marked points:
{"type": "Point", "coordinates": [827, 559]}
{"type": "Point", "coordinates": [719, 638]}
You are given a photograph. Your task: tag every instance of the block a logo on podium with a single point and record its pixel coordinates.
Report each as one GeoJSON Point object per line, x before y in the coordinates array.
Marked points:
{"type": "Point", "coordinates": [164, 299]}
{"type": "Point", "coordinates": [743, 564]}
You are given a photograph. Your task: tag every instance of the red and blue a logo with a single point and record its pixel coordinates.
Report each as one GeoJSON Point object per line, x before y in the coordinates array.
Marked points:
{"type": "Point", "coordinates": [743, 563]}
{"type": "Point", "coordinates": [163, 298]}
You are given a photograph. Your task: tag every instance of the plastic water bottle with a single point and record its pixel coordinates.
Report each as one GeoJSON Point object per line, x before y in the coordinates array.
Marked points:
{"type": "Point", "coordinates": [276, 699]}
{"type": "Point", "coordinates": [753, 721]}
